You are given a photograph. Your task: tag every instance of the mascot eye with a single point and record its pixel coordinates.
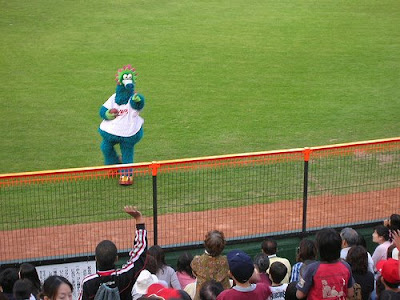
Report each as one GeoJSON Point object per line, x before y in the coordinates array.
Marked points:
{"type": "Point", "coordinates": [125, 76]}
{"type": "Point", "coordinates": [129, 76]}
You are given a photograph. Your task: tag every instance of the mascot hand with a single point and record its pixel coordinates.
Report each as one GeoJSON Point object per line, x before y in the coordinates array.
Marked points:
{"type": "Point", "coordinates": [136, 98]}
{"type": "Point", "coordinates": [111, 115]}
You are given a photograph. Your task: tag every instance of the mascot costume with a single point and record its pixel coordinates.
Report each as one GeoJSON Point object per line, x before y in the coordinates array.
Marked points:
{"type": "Point", "coordinates": [121, 122]}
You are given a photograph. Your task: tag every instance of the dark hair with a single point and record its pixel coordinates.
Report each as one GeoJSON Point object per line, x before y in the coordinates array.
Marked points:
{"type": "Point", "coordinates": [261, 261]}
{"type": "Point", "coordinates": [361, 241]}
{"type": "Point", "coordinates": [357, 258]}
{"type": "Point", "coordinates": [329, 244]}
{"type": "Point", "coordinates": [51, 286]}
{"type": "Point", "coordinates": [290, 293]}
{"type": "Point", "coordinates": [151, 264]}
{"type": "Point", "coordinates": [394, 222]}
{"type": "Point", "coordinates": [277, 271]}
{"type": "Point", "coordinates": [106, 254]}
{"type": "Point", "coordinates": [307, 250]}
{"type": "Point", "coordinates": [210, 290]}
{"type": "Point", "coordinates": [183, 264]}
{"type": "Point", "coordinates": [183, 295]}
{"type": "Point", "coordinates": [7, 279]}
{"type": "Point", "coordinates": [22, 289]}
{"type": "Point", "coordinates": [269, 246]}
{"type": "Point", "coordinates": [390, 249]}
{"type": "Point", "coordinates": [390, 284]}
{"type": "Point", "coordinates": [214, 242]}
{"type": "Point", "coordinates": [27, 270]}
{"type": "Point", "coordinates": [382, 231]}
{"type": "Point", "coordinates": [158, 253]}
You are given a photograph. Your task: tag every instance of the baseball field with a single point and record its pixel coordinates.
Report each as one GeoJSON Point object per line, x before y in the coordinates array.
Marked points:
{"type": "Point", "coordinates": [219, 77]}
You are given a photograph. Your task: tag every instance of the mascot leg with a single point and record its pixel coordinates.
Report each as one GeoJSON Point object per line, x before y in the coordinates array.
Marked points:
{"type": "Point", "coordinates": [128, 150]}
{"type": "Point", "coordinates": [107, 147]}
{"type": "Point", "coordinates": [110, 155]}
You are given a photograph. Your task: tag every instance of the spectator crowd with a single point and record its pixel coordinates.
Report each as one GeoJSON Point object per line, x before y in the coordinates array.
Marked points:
{"type": "Point", "coordinates": [334, 265]}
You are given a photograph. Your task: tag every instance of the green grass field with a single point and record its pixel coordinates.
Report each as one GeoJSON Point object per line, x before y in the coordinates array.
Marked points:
{"type": "Point", "coordinates": [219, 77]}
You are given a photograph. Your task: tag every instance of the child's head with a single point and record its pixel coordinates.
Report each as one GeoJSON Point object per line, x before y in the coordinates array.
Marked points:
{"type": "Point", "coordinates": [277, 272]}
{"type": "Point", "coordinates": [214, 242]}
{"type": "Point", "coordinates": [210, 290]}
{"type": "Point", "coordinates": [329, 244]}
{"type": "Point", "coordinates": [240, 265]}
{"type": "Point", "coordinates": [389, 270]}
{"type": "Point", "coordinates": [261, 262]}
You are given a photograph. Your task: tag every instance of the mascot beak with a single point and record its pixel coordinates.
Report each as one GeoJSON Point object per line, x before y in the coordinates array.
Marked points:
{"type": "Point", "coordinates": [128, 83]}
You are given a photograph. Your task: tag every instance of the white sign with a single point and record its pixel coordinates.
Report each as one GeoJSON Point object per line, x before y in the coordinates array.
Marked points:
{"type": "Point", "coordinates": [74, 272]}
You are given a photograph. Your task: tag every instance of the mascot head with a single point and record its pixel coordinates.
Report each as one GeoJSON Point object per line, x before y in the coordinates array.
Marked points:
{"type": "Point", "coordinates": [126, 79]}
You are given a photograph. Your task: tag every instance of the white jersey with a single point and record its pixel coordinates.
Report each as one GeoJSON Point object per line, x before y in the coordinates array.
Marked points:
{"type": "Point", "coordinates": [278, 292]}
{"type": "Point", "coordinates": [126, 124]}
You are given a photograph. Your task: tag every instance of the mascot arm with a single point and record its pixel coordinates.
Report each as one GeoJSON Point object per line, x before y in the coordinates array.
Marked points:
{"type": "Point", "coordinates": [137, 101]}
{"type": "Point", "coordinates": [105, 114]}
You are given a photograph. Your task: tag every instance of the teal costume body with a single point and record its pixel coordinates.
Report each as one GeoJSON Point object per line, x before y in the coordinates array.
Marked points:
{"type": "Point", "coordinates": [122, 123]}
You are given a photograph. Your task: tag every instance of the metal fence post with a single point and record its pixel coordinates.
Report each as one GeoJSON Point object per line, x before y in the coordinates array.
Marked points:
{"type": "Point", "coordinates": [307, 152]}
{"type": "Point", "coordinates": [154, 168]}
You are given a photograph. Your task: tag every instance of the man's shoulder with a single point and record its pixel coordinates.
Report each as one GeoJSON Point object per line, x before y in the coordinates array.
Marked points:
{"type": "Point", "coordinates": [283, 260]}
{"type": "Point", "coordinates": [90, 277]}
{"type": "Point", "coordinates": [227, 294]}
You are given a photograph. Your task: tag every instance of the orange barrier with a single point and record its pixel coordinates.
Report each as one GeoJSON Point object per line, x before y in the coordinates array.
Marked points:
{"type": "Point", "coordinates": [63, 214]}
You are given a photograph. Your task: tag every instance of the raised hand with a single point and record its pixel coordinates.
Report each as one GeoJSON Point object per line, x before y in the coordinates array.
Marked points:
{"type": "Point", "coordinates": [132, 210]}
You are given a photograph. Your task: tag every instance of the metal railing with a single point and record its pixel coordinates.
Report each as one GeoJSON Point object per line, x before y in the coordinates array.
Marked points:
{"type": "Point", "coordinates": [63, 214]}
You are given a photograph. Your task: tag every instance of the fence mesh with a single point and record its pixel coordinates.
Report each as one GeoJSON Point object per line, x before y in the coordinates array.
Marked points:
{"type": "Point", "coordinates": [65, 213]}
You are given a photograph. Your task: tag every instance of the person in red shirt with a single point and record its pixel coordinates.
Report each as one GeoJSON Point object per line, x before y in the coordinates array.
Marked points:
{"type": "Point", "coordinates": [329, 278]}
{"type": "Point", "coordinates": [241, 269]}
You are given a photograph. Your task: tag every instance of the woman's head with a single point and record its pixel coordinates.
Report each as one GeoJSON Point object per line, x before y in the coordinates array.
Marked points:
{"type": "Point", "coordinates": [183, 263]}
{"type": "Point", "coordinates": [214, 242]}
{"type": "Point", "coordinates": [357, 258]}
{"type": "Point", "coordinates": [381, 234]}
{"type": "Point", "coordinates": [158, 253]}
{"type": "Point", "coordinates": [27, 270]}
{"type": "Point", "coordinates": [307, 250]}
{"type": "Point", "coordinates": [329, 244]}
{"type": "Point", "coordinates": [394, 222]}
{"type": "Point", "coordinates": [22, 289]}
{"type": "Point", "coordinates": [56, 288]}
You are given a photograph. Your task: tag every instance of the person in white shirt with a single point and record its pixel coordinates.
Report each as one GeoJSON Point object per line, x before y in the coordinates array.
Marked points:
{"type": "Point", "coordinates": [350, 238]}
{"type": "Point", "coordinates": [381, 237]}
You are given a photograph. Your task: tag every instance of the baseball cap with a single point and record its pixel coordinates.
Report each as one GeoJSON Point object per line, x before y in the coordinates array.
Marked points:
{"type": "Point", "coordinates": [389, 270]}
{"type": "Point", "coordinates": [144, 280]}
{"type": "Point", "coordinates": [240, 265]}
{"type": "Point", "coordinates": [157, 289]}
